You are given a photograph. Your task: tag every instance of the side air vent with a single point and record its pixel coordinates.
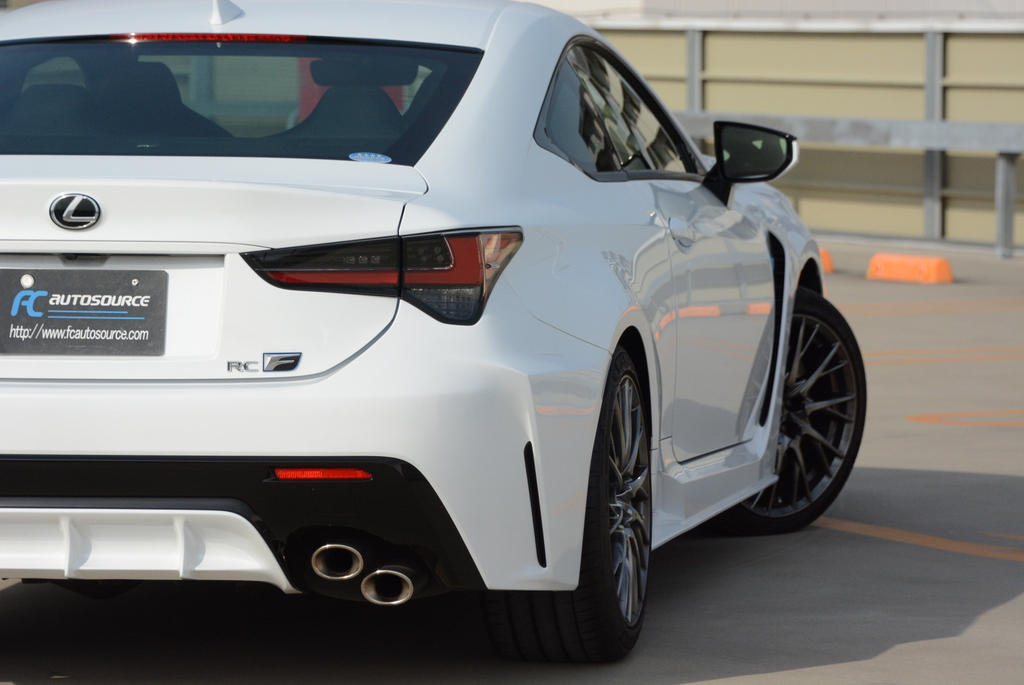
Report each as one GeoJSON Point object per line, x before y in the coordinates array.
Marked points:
{"type": "Point", "coordinates": [778, 256]}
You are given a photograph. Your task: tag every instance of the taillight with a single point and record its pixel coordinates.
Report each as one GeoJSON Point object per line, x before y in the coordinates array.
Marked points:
{"type": "Point", "coordinates": [451, 276]}
{"type": "Point", "coordinates": [368, 267]}
{"type": "Point", "coordinates": [447, 275]}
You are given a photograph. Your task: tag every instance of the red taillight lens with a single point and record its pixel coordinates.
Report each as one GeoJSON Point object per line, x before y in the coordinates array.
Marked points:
{"type": "Point", "coordinates": [322, 474]}
{"type": "Point", "coordinates": [207, 37]}
{"type": "Point", "coordinates": [369, 267]}
{"type": "Point", "coordinates": [448, 275]}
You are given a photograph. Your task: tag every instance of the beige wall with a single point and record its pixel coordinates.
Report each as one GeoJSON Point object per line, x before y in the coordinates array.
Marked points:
{"type": "Point", "coordinates": [870, 75]}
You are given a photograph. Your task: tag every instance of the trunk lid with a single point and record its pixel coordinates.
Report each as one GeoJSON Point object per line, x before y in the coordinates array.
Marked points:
{"type": "Point", "coordinates": [173, 229]}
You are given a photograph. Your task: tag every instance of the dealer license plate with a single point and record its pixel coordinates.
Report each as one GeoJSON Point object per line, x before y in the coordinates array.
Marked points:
{"type": "Point", "coordinates": [67, 312]}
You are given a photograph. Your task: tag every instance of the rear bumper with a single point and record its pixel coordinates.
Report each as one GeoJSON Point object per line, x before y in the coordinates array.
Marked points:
{"type": "Point", "coordinates": [94, 513]}
{"type": "Point", "coordinates": [457, 404]}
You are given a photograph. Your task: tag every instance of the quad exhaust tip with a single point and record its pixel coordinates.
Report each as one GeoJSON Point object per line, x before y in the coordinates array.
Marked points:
{"type": "Point", "coordinates": [392, 585]}
{"type": "Point", "coordinates": [337, 562]}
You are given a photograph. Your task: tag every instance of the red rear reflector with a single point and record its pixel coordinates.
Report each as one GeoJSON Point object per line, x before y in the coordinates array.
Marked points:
{"type": "Point", "coordinates": [322, 474]}
{"type": "Point", "coordinates": [209, 37]}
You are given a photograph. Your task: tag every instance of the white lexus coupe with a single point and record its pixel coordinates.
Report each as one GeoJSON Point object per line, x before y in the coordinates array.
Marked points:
{"type": "Point", "coordinates": [380, 299]}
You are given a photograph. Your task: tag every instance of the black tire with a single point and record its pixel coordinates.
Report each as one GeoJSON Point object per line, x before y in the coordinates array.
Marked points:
{"type": "Point", "coordinates": [824, 403]}
{"type": "Point", "coordinates": [601, 619]}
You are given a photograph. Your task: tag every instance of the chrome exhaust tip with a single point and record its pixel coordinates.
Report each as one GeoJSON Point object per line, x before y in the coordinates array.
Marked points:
{"type": "Point", "coordinates": [392, 585]}
{"type": "Point", "coordinates": [337, 562]}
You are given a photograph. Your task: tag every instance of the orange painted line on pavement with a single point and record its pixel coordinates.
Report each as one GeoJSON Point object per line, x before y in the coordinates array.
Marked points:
{"type": "Point", "coordinates": [936, 360]}
{"type": "Point", "coordinates": [950, 419]}
{"type": "Point", "coordinates": [961, 350]}
{"type": "Point", "coordinates": [933, 303]}
{"type": "Point", "coordinates": [972, 310]}
{"type": "Point", "coordinates": [920, 540]}
{"type": "Point", "coordinates": [1004, 535]}
{"type": "Point", "coordinates": [933, 307]}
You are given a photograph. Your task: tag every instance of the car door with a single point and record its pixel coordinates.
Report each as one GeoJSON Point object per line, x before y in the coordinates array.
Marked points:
{"type": "Point", "coordinates": [723, 290]}
{"type": "Point", "coordinates": [587, 133]}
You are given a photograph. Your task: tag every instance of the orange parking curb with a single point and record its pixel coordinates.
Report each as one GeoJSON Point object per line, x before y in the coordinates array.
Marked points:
{"type": "Point", "coordinates": [826, 262]}
{"type": "Point", "coordinates": [909, 268]}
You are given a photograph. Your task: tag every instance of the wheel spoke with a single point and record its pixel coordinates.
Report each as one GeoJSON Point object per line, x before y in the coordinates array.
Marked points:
{"type": "Point", "coordinates": [802, 467]}
{"type": "Point", "coordinates": [808, 430]}
{"type": "Point", "coordinates": [796, 487]}
{"type": "Point", "coordinates": [841, 365]}
{"type": "Point", "coordinates": [757, 498]}
{"type": "Point", "coordinates": [632, 487]}
{"type": "Point", "coordinates": [636, 419]}
{"type": "Point", "coordinates": [839, 415]}
{"type": "Point", "coordinates": [804, 387]}
{"type": "Point", "coordinates": [626, 421]}
{"type": "Point", "coordinates": [795, 365]}
{"type": "Point", "coordinates": [811, 407]}
{"type": "Point", "coordinates": [618, 441]}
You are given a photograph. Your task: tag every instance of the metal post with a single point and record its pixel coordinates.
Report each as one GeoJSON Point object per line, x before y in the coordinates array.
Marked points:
{"type": "Point", "coordinates": [934, 111]}
{"type": "Point", "coordinates": [694, 70]}
{"type": "Point", "coordinates": [1006, 202]}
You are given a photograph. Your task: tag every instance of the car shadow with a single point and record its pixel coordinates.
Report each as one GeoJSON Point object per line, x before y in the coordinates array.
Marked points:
{"type": "Point", "coordinates": [720, 607]}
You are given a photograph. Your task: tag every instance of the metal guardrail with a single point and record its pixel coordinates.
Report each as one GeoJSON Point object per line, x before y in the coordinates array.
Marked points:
{"type": "Point", "coordinates": [1005, 139]}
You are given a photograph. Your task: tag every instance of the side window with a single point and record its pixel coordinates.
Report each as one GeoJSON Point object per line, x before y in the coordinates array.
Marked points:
{"type": "Point", "coordinates": [573, 126]}
{"type": "Point", "coordinates": [640, 140]}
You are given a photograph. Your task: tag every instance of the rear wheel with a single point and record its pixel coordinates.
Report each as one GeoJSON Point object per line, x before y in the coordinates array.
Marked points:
{"type": "Point", "coordinates": [824, 402]}
{"type": "Point", "coordinates": [601, 619]}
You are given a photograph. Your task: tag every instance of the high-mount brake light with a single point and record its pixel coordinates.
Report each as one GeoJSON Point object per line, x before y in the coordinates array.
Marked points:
{"type": "Point", "coordinates": [447, 275]}
{"type": "Point", "coordinates": [322, 474]}
{"type": "Point", "coordinates": [207, 37]}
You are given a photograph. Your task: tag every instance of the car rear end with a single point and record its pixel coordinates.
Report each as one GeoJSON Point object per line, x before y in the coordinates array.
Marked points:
{"type": "Point", "coordinates": [203, 373]}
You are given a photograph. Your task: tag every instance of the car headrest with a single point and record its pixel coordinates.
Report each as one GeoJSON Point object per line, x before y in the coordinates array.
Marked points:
{"type": "Point", "coordinates": [156, 81]}
{"type": "Point", "coordinates": [363, 70]}
{"type": "Point", "coordinates": [50, 110]}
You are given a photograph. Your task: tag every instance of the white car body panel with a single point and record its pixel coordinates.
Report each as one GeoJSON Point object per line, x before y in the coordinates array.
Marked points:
{"type": "Point", "coordinates": [380, 377]}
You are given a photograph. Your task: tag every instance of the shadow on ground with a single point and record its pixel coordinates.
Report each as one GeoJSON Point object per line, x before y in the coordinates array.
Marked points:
{"type": "Point", "coordinates": [720, 607]}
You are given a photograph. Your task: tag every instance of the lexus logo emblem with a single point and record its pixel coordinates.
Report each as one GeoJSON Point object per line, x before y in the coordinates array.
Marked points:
{"type": "Point", "coordinates": [75, 212]}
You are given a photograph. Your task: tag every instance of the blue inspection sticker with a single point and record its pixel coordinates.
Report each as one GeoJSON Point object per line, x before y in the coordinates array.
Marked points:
{"type": "Point", "coordinates": [369, 157]}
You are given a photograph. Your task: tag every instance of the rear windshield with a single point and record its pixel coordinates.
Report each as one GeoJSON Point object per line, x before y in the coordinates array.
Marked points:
{"type": "Point", "coordinates": [238, 98]}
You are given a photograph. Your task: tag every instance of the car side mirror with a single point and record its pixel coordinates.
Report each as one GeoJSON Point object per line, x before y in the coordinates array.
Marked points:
{"type": "Point", "coordinates": [749, 154]}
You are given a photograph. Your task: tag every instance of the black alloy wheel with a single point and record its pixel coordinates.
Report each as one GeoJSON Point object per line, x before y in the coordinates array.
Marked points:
{"type": "Point", "coordinates": [824, 401]}
{"type": "Point", "coordinates": [601, 619]}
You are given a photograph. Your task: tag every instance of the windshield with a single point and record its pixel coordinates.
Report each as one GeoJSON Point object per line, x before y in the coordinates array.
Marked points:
{"type": "Point", "coordinates": [240, 97]}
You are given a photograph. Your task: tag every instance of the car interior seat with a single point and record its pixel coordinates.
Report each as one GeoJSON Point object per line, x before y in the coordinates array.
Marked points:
{"type": "Point", "coordinates": [145, 100]}
{"type": "Point", "coordinates": [355, 105]}
{"type": "Point", "coordinates": [49, 110]}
